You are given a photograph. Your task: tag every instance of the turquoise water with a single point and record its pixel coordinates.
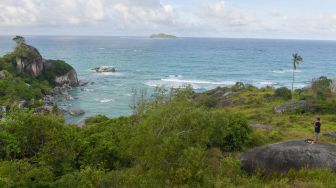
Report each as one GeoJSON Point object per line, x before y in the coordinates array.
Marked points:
{"type": "Point", "coordinates": [143, 63]}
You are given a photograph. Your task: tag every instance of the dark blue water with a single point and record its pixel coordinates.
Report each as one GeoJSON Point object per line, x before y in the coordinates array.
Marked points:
{"type": "Point", "coordinates": [202, 63]}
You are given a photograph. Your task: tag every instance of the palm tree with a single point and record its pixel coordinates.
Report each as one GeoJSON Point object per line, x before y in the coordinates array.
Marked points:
{"type": "Point", "coordinates": [297, 59]}
{"type": "Point", "coordinates": [19, 40]}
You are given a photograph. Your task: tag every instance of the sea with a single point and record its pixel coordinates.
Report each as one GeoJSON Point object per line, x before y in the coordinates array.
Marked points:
{"type": "Point", "coordinates": [203, 63]}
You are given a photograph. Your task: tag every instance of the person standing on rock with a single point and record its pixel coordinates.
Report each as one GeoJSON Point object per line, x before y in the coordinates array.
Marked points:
{"type": "Point", "coordinates": [317, 127]}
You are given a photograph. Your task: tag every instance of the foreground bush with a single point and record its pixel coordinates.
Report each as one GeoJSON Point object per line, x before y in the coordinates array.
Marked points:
{"type": "Point", "coordinates": [283, 92]}
{"type": "Point", "coordinates": [170, 142]}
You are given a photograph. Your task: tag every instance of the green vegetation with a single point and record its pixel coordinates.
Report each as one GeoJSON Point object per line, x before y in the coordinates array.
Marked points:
{"type": "Point", "coordinates": [178, 138]}
{"type": "Point", "coordinates": [56, 68]}
{"type": "Point", "coordinates": [297, 59]}
{"type": "Point", "coordinates": [283, 92]}
{"type": "Point", "coordinates": [15, 87]}
{"type": "Point", "coordinates": [19, 40]}
{"type": "Point", "coordinates": [172, 140]}
{"type": "Point", "coordinates": [162, 36]}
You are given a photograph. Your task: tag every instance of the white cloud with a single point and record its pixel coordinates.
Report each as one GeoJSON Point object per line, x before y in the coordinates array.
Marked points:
{"type": "Point", "coordinates": [207, 18]}
{"type": "Point", "coordinates": [20, 12]}
{"type": "Point", "coordinates": [224, 15]}
{"type": "Point", "coordinates": [77, 12]}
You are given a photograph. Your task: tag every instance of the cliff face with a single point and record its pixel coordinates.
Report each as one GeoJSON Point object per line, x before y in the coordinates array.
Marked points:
{"type": "Point", "coordinates": [30, 61]}
{"type": "Point", "coordinates": [69, 78]}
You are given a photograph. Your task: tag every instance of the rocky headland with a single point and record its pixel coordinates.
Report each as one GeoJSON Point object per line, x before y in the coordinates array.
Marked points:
{"type": "Point", "coordinates": [62, 77]}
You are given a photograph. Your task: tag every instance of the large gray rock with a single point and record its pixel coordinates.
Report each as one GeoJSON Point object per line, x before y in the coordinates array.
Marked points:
{"type": "Point", "coordinates": [83, 82]}
{"type": "Point", "coordinates": [284, 156]}
{"type": "Point", "coordinates": [23, 104]}
{"type": "Point", "coordinates": [76, 112]}
{"type": "Point", "coordinates": [330, 135]}
{"type": "Point", "coordinates": [104, 69]}
{"type": "Point", "coordinates": [333, 86]}
{"type": "Point", "coordinates": [290, 106]}
{"type": "Point", "coordinates": [68, 78]}
{"type": "Point", "coordinates": [33, 64]}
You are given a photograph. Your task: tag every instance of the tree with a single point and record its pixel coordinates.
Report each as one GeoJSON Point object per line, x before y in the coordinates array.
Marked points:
{"type": "Point", "coordinates": [19, 40]}
{"type": "Point", "coordinates": [297, 59]}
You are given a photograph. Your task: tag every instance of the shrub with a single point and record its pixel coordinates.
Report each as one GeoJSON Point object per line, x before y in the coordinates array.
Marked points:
{"type": "Point", "coordinates": [283, 93]}
{"type": "Point", "coordinates": [321, 87]}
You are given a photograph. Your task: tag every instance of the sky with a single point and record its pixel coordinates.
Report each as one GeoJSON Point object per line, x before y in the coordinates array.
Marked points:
{"type": "Point", "coordinates": [289, 19]}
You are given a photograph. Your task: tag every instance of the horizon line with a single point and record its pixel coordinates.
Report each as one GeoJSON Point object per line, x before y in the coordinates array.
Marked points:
{"type": "Point", "coordinates": [143, 36]}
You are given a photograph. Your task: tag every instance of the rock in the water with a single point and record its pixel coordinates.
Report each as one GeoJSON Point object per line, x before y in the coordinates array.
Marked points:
{"type": "Point", "coordinates": [284, 156]}
{"type": "Point", "coordinates": [76, 112]}
{"type": "Point", "coordinates": [23, 104]}
{"type": "Point", "coordinates": [104, 69]}
{"type": "Point", "coordinates": [330, 135]}
{"type": "Point", "coordinates": [83, 82]}
{"type": "Point", "coordinates": [290, 106]}
{"type": "Point", "coordinates": [70, 98]}
{"type": "Point", "coordinates": [261, 126]}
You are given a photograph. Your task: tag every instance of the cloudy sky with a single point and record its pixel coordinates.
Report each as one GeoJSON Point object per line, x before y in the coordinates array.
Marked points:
{"type": "Point", "coordinates": [302, 19]}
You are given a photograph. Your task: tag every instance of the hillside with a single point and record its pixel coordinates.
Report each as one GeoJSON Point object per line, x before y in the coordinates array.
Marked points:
{"type": "Point", "coordinates": [177, 138]}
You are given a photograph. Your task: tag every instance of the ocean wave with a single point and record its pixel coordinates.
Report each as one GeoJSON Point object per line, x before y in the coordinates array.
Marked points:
{"type": "Point", "coordinates": [87, 89]}
{"type": "Point", "coordinates": [283, 71]}
{"type": "Point", "coordinates": [266, 83]}
{"type": "Point", "coordinates": [110, 74]}
{"type": "Point", "coordinates": [101, 48]}
{"type": "Point", "coordinates": [176, 81]}
{"type": "Point", "coordinates": [105, 100]}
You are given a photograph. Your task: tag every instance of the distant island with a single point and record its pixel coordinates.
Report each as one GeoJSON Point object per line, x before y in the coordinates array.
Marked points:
{"type": "Point", "coordinates": [162, 36]}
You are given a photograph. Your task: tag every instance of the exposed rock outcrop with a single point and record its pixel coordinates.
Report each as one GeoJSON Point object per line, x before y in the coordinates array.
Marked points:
{"type": "Point", "coordinates": [290, 106]}
{"type": "Point", "coordinates": [261, 126]}
{"type": "Point", "coordinates": [30, 61]}
{"type": "Point", "coordinates": [333, 86]}
{"type": "Point", "coordinates": [330, 135]}
{"type": "Point", "coordinates": [68, 78]}
{"type": "Point", "coordinates": [23, 104]}
{"type": "Point", "coordinates": [284, 156]}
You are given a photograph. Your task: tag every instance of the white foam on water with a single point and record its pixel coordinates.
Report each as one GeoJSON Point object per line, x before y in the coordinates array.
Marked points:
{"type": "Point", "coordinates": [283, 71]}
{"type": "Point", "coordinates": [176, 81]}
{"type": "Point", "coordinates": [129, 94]}
{"type": "Point", "coordinates": [110, 74]}
{"type": "Point", "coordinates": [104, 100]}
{"type": "Point", "coordinates": [267, 83]}
{"type": "Point", "coordinates": [89, 90]}
{"type": "Point", "coordinates": [101, 48]}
